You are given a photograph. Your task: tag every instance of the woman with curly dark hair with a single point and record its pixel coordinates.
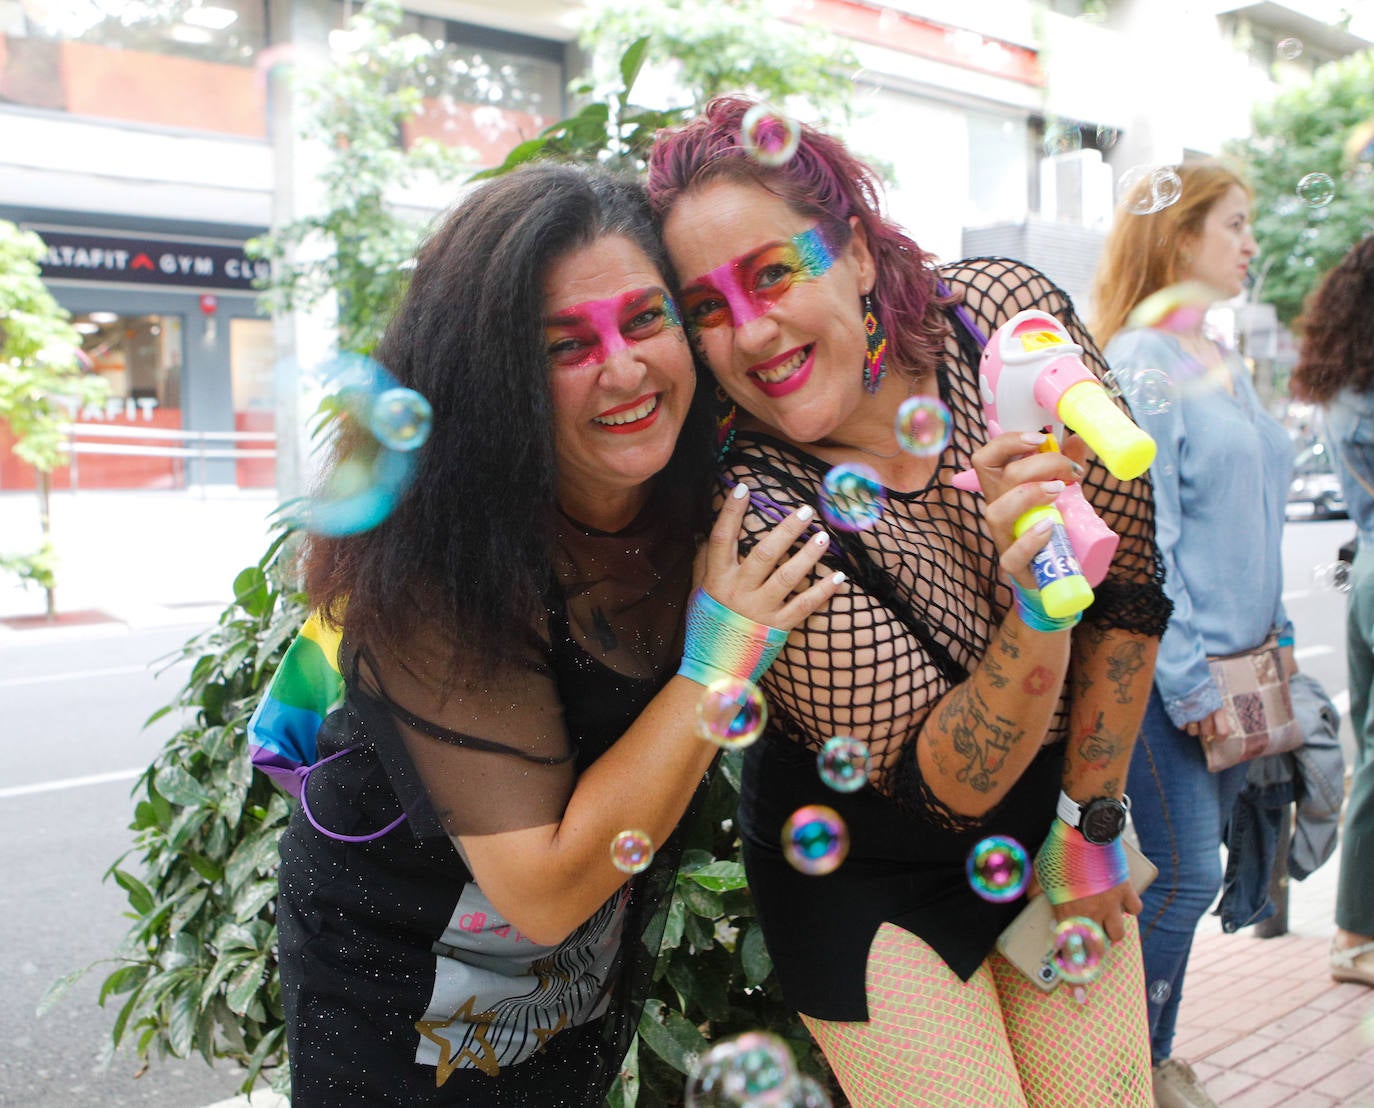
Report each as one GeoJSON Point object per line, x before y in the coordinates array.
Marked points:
{"type": "Point", "coordinates": [519, 695]}
{"type": "Point", "coordinates": [1336, 369]}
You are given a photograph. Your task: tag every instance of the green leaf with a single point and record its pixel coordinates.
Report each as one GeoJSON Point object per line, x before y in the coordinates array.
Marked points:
{"type": "Point", "coordinates": [670, 1036]}
{"type": "Point", "coordinates": [140, 899]}
{"type": "Point", "coordinates": [672, 930]}
{"type": "Point", "coordinates": [206, 868]}
{"type": "Point", "coordinates": [754, 957]}
{"type": "Point", "coordinates": [181, 1023]}
{"type": "Point", "coordinates": [244, 984]}
{"type": "Point", "coordinates": [122, 980]}
{"type": "Point", "coordinates": [719, 876]}
{"type": "Point", "coordinates": [632, 61]}
{"type": "Point", "coordinates": [700, 901]}
{"type": "Point", "coordinates": [624, 1091]}
{"type": "Point", "coordinates": [58, 989]}
{"type": "Point", "coordinates": [180, 787]}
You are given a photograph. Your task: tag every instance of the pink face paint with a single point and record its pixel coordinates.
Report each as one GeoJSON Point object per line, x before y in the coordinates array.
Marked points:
{"type": "Point", "coordinates": [589, 333]}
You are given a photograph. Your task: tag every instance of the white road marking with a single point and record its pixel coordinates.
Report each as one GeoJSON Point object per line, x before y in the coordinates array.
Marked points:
{"type": "Point", "coordinates": [70, 783]}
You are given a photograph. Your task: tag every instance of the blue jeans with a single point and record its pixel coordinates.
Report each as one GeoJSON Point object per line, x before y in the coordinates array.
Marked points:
{"type": "Point", "coordinates": [1179, 811]}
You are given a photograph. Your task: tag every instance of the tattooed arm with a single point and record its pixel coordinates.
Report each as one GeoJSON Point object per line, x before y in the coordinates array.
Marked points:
{"type": "Point", "coordinates": [1110, 678]}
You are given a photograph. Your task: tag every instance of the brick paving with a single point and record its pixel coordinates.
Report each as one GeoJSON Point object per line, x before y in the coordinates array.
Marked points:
{"type": "Point", "coordinates": [1261, 1021]}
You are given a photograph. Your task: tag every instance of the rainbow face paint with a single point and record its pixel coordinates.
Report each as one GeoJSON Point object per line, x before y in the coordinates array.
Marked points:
{"type": "Point", "coordinates": [589, 333]}
{"type": "Point", "coordinates": [747, 287]}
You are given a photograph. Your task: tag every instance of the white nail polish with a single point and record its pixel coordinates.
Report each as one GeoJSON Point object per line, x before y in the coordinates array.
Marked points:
{"type": "Point", "coordinates": [740, 491]}
{"type": "Point", "coordinates": [821, 539]}
{"type": "Point", "coordinates": [838, 579]}
{"type": "Point", "coordinates": [805, 513]}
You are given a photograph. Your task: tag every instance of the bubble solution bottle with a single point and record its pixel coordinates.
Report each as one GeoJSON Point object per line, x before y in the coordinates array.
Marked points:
{"type": "Point", "coordinates": [1064, 591]}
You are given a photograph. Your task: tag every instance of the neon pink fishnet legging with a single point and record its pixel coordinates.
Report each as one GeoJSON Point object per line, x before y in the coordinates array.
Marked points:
{"type": "Point", "coordinates": [995, 1041]}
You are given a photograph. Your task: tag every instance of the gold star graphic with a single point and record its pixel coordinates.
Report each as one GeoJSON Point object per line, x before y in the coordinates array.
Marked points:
{"type": "Point", "coordinates": [486, 1061]}
{"type": "Point", "coordinates": [544, 1034]}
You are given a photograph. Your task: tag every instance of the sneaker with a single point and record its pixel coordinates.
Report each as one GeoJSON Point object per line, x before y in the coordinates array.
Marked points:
{"type": "Point", "coordinates": [1176, 1086]}
{"type": "Point", "coordinates": [1354, 963]}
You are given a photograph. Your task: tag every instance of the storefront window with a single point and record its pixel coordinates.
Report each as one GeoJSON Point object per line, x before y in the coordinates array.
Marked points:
{"type": "Point", "coordinates": [139, 356]}
{"type": "Point", "coordinates": [230, 31]}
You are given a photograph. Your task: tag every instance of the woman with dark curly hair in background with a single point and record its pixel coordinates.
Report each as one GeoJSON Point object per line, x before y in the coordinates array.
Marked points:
{"type": "Point", "coordinates": [1336, 369]}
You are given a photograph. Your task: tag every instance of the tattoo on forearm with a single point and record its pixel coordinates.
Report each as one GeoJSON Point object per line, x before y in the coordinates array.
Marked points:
{"type": "Point", "coordinates": [982, 740]}
{"type": "Point", "coordinates": [1122, 666]}
{"type": "Point", "coordinates": [1096, 746]}
{"type": "Point", "coordinates": [996, 675]}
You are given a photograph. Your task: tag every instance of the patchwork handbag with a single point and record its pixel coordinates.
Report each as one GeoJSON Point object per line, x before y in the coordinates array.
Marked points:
{"type": "Point", "coordinates": [1258, 706]}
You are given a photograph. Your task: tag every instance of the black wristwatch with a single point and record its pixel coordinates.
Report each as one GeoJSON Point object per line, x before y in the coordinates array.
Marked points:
{"type": "Point", "coordinates": [1101, 820]}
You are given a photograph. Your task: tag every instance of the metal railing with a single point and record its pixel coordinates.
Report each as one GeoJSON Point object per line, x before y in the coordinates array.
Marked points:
{"type": "Point", "coordinates": [199, 447]}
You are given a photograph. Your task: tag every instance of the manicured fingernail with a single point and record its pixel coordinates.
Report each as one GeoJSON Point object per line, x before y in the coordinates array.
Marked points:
{"type": "Point", "coordinates": [1077, 469]}
{"type": "Point", "coordinates": [1032, 438]}
{"type": "Point", "coordinates": [806, 512]}
{"type": "Point", "coordinates": [821, 539]}
{"type": "Point", "coordinates": [1080, 994]}
{"type": "Point", "coordinates": [740, 491]}
{"type": "Point", "coordinates": [1042, 527]}
{"type": "Point", "coordinates": [1052, 486]}
{"type": "Point", "coordinates": [838, 579]}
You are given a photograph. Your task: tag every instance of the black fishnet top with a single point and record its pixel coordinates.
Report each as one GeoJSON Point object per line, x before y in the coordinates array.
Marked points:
{"type": "Point", "coordinates": [924, 599]}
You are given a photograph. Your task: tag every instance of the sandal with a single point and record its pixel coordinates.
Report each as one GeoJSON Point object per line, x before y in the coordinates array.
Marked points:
{"type": "Point", "coordinates": [1353, 964]}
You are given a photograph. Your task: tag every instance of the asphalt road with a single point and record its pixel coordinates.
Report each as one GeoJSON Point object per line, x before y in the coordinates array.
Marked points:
{"type": "Point", "coordinates": [72, 705]}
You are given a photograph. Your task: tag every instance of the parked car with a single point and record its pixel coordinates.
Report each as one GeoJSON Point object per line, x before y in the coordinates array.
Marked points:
{"type": "Point", "coordinates": [1316, 490]}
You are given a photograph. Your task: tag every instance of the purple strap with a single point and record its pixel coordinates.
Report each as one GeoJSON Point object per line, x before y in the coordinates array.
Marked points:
{"type": "Point", "coordinates": [964, 318]}
{"type": "Point", "coordinates": [304, 773]}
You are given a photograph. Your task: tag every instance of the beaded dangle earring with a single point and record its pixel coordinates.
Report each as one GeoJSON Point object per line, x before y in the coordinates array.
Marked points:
{"type": "Point", "coordinates": [725, 424]}
{"type": "Point", "coordinates": [875, 359]}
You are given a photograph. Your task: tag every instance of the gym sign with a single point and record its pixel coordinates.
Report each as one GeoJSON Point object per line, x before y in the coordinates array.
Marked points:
{"type": "Point", "coordinates": [178, 263]}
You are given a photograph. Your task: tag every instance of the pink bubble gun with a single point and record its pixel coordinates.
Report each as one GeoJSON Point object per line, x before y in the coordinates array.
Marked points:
{"type": "Point", "coordinates": [1032, 378]}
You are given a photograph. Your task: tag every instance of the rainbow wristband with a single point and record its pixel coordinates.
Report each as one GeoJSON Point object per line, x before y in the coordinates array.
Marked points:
{"type": "Point", "coordinates": [723, 643]}
{"type": "Point", "coordinates": [1033, 613]}
{"type": "Point", "coordinates": [1069, 867]}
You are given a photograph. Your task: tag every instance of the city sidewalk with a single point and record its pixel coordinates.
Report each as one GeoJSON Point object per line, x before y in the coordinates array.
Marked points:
{"type": "Point", "coordinates": [1261, 1020]}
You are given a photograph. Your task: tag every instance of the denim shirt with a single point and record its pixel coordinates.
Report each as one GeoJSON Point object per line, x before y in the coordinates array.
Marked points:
{"type": "Point", "coordinates": [1221, 478]}
{"type": "Point", "coordinates": [1350, 424]}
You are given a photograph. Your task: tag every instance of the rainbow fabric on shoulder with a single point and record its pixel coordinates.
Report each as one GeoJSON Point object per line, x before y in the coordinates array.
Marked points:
{"type": "Point", "coordinates": [306, 687]}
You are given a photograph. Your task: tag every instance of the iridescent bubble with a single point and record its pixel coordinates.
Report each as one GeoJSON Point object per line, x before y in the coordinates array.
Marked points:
{"type": "Point", "coordinates": [1288, 48]}
{"type": "Point", "coordinates": [1080, 946]}
{"type": "Point", "coordinates": [1111, 384]}
{"type": "Point", "coordinates": [1333, 576]}
{"type": "Point", "coordinates": [755, 1068]}
{"type": "Point", "coordinates": [769, 137]}
{"type": "Point", "coordinates": [1166, 187]}
{"type": "Point", "coordinates": [632, 851]}
{"type": "Point", "coordinates": [1159, 991]}
{"type": "Point", "coordinates": [815, 840]}
{"type": "Point", "coordinates": [731, 713]}
{"type": "Point", "coordinates": [1062, 138]}
{"type": "Point", "coordinates": [401, 419]}
{"type": "Point", "coordinates": [852, 497]}
{"type": "Point", "coordinates": [923, 426]}
{"type": "Point", "coordinates": [1151, 392]}
{"type": "Point", "coordinates": [998, 869]}
{"type": "Point", "coordinates": [1316, 190]}
{"type": "Point", "coordinates": [1107, 137]}
{"type": "Point", "coordinates": [843, 763]}
{"type": "Point", "coordinates": [1130, 195]}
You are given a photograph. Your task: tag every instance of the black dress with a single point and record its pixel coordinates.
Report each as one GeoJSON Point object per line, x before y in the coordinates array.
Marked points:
{"type": "Point", "coordinates": [402, 984]}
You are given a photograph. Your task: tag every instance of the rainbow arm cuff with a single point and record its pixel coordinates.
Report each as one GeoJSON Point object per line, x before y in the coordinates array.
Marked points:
{"type": "Point", "coordinates": [1069, 867]}
{"type": "Point", "coordinates": [723, 643]}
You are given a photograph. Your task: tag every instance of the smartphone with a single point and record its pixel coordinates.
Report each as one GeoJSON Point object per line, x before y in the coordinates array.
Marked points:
{"type": "Point", "coordinates": [1028, 941]}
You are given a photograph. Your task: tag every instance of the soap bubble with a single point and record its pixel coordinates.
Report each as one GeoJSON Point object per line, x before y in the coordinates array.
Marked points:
{"type": "Point", "coordinates": [401, 419]}
{"type": "Point", "coordinates": [1316, 190]}
{"type": "Point", "coordinates": [632, 851]}
{"type": "Point", "coordinates": [1159, 991]}
{"type": "Point", "coordinates": [769, 137]}
{"type": "Point", "coordinates": [1151, 392]}
{"type": "Point", "coordinates": [1288, 48]}
{"type": "Point", "coordinates": [1107, 137]}
{"type": "Point", "coordinates": [1166, 187]}
{"type": "Point", "coordinates": [923, 426]}
{"type": "Point", "coordinates": [367, 477]}
{"type": "Point", "coordinates": [1062, 138]}
{"type": "Point", "coordinates": [731, 713]}
{"type": "Point", "coordinates": [843, 763]}
{"type": "Point", "coordinates": [1333, 576]}
{"type": "Point", "coordinates": [755, 1068]}
{"type": "Point", "coordinates": [1080, 946]}
{"type": "Point", "coordinates": [1111, 384]}
{"type": "Point", "coordinates": [852, 497]}
{"type": "Point", "coordinates": [998, 869]}
{"type": "Point", "coordinates": [815, 840]}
